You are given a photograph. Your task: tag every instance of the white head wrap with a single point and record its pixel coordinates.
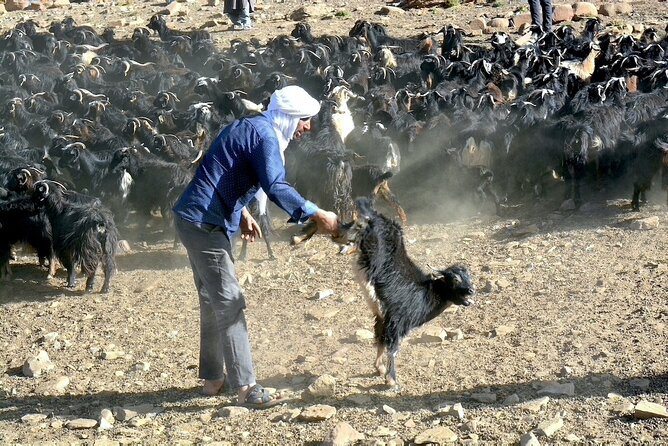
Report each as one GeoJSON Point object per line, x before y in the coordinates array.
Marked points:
{"type": "Point", "coordinates": [286, 107]}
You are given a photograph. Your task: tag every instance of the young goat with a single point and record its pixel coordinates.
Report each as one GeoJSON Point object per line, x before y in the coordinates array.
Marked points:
{"type": "Point", "coordinates": [401, 296]}
{"type": "Point", "coordinates": [83, 234]}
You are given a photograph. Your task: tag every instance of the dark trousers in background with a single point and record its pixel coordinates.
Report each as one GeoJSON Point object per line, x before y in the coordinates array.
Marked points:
{"type": "Point", "coordinates": [541, 13]}
{"type": "Point", "coordinates": [224, 343]}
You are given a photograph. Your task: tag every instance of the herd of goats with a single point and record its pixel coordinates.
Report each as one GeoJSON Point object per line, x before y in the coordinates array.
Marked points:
{"type": "Point", "coordinates": [96, 129]}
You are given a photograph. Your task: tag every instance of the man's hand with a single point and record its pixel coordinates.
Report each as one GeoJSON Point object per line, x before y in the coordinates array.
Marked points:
{"type": "Point", "coordinates": [327, 222]}
{"type": "Point", "coordinates": [250, 230]}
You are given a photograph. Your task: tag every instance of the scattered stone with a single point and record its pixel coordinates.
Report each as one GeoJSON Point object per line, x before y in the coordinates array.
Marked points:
{"type": "Point", "coordinates": [645, 409]}
{"type": "Point", "coordinates": [388, 410]}
{"type": "Point", "coordinates": [503, 283]}
{"type": "Point", "coordinates": [323, 386]}
{"type": "Point", "coordinates": [566, 371]}
{"type": "Point", "coordinates": [529, 439]}
{"type": "Point", "coordinates": [287, 416]}
{"type": "Point", "coordinates": [35, 366]}
{"type": "Point", "coordinates": [210, 24]}
{"type": "Point", "coordinates": [536, 405]}
{"type": "Point", "coordinates": [81, 423]}
{"type": "Point", "coordinates": [433, 334]}
{"type": "Point", "coordinates": [383, 431]}
{"type": "Point", "coordinates": [343, 434]}
{"type": "Point", "coordinates": [624, 8]}
{"type": "Point", "coordinates": [437, 435]}
{"type": "Point", "coordinates": [484, 397]}
{"type": "Point", "coordinates": [319, 412]}
{"type": "Point", "coordinates": [562, 13]}
{"type": "Point", "coordinates": [33, 418]}
{"type": "Point", "coordinates": [363, 335]}
{"type": "Point", "coordinates": [645, 224]}
{"type": "Point", "coordinates": [142, 366]}
{"type": "Point", "coordinates": [558, 389]}
{"type": "Point", "coordinates": [212, 2]}
{"type": "Point", "coordinates": [511, 399]}
{"type": "Point", "coordinates": [621, 406]}
{"type": "Point", "coordinates": [572, 438]}
{"type": "Point", "coordinates": [138, 422]}
{"type": "Point", "coordinates": [522, 22]}
{"type": "Point", "coordinates": [478, 23]}
{"type": "Point", "coordinates": [16, 5]}
{"type": "Point", "coordinates": [503, 330]}
{"type": "Point", "coordinates": [549, 427]}
{"type": "Point", "coordinates": [324, 294]}
{"type": "Point", "coordinates": [454, 335]}
{"type": "Point", "coordinates": [456, 411]}
{"type": "Point", "coordinates": [48, 338]}
{"type": "Point", "coordinates": [390, 10]}
{"type": "Point", "coordinates": [60, 384]}
{"type": "Point", "coordinates": [174, 8]}
{"type": "Point", "coordinates": [499, 23]}
{"type": "Point", "coordinates": [607, 10]}
{"type": "Point", "coordinates": [104, 425]}
{"type": "Point", "coordinates": [123, 414]}
{"type": "Point", "coordinates": [111, 355]}
{"type": "Point", "coordinates": [584, 10]}
{"type": "Point", "coordinates": [233, 412]}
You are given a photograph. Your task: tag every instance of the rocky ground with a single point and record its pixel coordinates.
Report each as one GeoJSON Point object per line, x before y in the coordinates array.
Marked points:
{"type": "Point", "coordinates": [566, 341]}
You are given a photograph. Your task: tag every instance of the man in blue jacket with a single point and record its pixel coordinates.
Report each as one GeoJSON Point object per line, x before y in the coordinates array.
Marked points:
{"type": "Point", "coordinates": [245, 156]}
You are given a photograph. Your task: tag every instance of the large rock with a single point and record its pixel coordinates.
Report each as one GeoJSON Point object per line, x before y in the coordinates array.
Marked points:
{"type": "Point", "coordinates": [233, 412]}
{"type": "Point", "coordinates": [624, 8]}
{"type": "Point", "coordinates": [567, 389]}
{"type": "Point", "coordinates": [363, 335]}
{"type": "Point", "coordinates": [529, 439]}
{"type": "Point", "coordinates": [81, 423]}
{"type": "Point", "coordinates": [342, 435]}
{"type": "Point", "coordinates": [562, 13]}
{"type": "Point", "coordinates": [436, 435]}
{"type": "Point", "coordinates": [548, 427]}
{"type": "Point", "coordinates": [319, 412]}
{"type": "Point", "coordinates": [522, 19]}
{"type": "Point", "coordinates": [16, 5]}
{"type": "Point", "coordinates": [478, 23]}
{"type": "Point", "coordinates": [35, 366]}
{"type": "Point", "coordinates": [433, 334]}
{"type": "Point", "coordinates": [645, 409]}
{"type": "Point", "coordinates": [584, 10]}
{"type": "Point", "coordinates": [645, 224]}
{"type": "Point", "coordinates": [499, 23]}
{"type": "Point", "coordinates": [536, 405]}
{"type": "Point", "coordinates": [608, 9]}
{"type": "Point", "coordinates": [324, 386]}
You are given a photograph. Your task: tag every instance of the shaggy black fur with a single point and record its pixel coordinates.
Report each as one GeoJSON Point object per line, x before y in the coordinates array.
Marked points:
{"type": "Point", "coordinates": [83, 234]}
{"type": "Point", "coordinates": [401, 296]}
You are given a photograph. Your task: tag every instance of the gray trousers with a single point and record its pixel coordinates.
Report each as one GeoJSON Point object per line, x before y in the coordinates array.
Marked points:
{"type": "Point", "coordinates": [541, 13]}
{"type": "Point", "coordinates": [224, 342]}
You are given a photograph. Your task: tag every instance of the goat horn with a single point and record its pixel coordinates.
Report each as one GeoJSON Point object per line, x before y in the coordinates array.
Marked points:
{"type": "Point", "coordinates": [200, 153]}
{"type": "Point", "coordinates": [62, 186]}
{"type": "Point", "coordinates": [76, 144]}
{"type": "Point", "coordinates": [173, 96]}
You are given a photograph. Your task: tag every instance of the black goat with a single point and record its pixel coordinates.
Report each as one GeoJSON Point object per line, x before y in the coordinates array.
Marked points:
{"type": "Point", "coordinates": [401, 296]}
{"type": "Point", "coordinates": [84, 235]}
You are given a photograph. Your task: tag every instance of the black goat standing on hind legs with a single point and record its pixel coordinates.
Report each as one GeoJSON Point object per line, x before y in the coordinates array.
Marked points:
{"type": "Point", "coordinates": [401, 296]}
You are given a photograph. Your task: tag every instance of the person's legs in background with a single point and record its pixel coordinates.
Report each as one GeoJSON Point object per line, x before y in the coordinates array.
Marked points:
{"type": "Point", "coordinates": [547, 15]}
{"type": "Point", "coordinates": [536, 12]}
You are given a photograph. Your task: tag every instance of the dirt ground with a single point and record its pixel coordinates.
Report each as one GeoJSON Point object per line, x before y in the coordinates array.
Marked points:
{"type": "Point", "coordinates": [570, 298]}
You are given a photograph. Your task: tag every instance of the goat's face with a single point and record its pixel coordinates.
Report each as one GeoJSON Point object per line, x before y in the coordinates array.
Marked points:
{"type": "Point", "coordinates": [454, 284]}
